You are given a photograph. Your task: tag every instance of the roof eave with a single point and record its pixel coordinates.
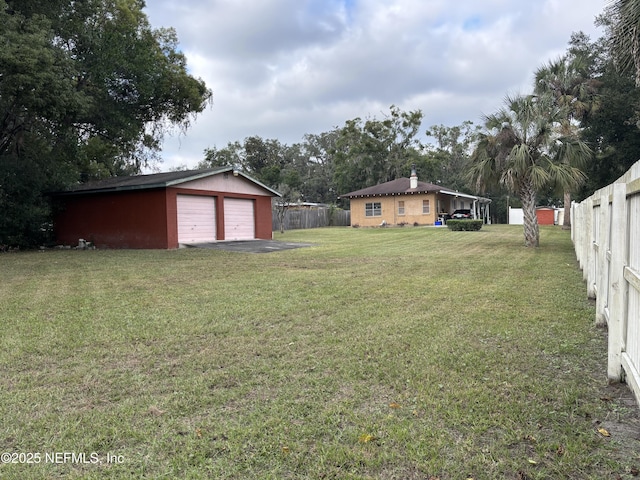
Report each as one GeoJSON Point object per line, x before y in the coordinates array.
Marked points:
{"type": "Point", "coordinates": [458, 194]}
{"type": "Point", "coordinates": [110, 189]}
{"type": "Point", "coordinates": [169, 183]}
{"type": "Point", "coordinates": [391, 194]}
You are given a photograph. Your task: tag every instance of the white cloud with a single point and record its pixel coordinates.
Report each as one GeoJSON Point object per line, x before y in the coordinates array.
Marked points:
{"type": "Point", "coordinates": [283, 68]}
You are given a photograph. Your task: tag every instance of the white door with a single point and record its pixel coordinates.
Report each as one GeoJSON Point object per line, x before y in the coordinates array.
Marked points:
{"type": "Point", "coordinates": [196, 219]}
{"type": "Point", "coordinates": [239, 219]}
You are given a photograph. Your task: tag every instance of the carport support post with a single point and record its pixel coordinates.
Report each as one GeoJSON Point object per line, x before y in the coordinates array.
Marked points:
{"type": "Point", "coordinates": [618, 284]}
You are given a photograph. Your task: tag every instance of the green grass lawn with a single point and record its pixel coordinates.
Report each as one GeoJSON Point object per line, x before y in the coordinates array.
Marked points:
{"type": "Point", "coordinates": [406, 353]}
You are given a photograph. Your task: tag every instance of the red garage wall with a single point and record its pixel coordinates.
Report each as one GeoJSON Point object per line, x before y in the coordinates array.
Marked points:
{"type": "Point", "coordinates": [136, 219]}
{"type": "Point", "coordinates": [264, 219]}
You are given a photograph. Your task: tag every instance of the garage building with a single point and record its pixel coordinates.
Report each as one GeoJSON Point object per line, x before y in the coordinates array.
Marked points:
{"type": "Point", "coordinates": [165, 210]}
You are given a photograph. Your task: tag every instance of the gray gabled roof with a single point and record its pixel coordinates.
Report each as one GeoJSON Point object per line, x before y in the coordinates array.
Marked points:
{"type": "Point", "coordinates": [155, 180]}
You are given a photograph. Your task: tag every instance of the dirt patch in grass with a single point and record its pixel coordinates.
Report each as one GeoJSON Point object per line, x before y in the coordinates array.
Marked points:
{"type": "Point", "coordinates": [372, 355]}
{"type": "Point", "coordinates": [622, 423]}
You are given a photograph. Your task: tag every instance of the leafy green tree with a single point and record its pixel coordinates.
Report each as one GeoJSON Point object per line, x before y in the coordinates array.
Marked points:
{"type": "Point", "coordinates": [522, 149]}
{"type": "Point", "coordinates": [451, 153]}
{"type": "Point", "coordinates": [399, 131]}
{"type": "Point", "coordinates": [624, 22]}
{"type": "Point", "coordinates": [351, 158]}
{"type": "Point", "coordinates": [87, 90]}
{"type": "Point", "coordinates": [230, 156]}
{"type": "Point", "coordinates": [116, 80]}
{"type": "Point", "coordinates": [612, 128]}
{"type": "Point", "coordinates": [570, 84]}
{"type": "Point", "coordinates": [263, 159]}
{"type": "Point", "coordinates": [569, 81]}
{"type": "Point", "coordinates": [305, 168]}
{"type": "Point", "coordinates": [317, 175]}
{"type": "Point", "coordinates": [376, 151]}
{"type": "Point", "coordinates": [36, 92]}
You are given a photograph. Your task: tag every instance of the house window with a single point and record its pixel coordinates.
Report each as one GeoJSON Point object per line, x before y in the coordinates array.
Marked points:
{"type": "Point", "coordinates": [426, 207]}
{"type": "Point", "coordinates": [401, 207]}
{"type": "Point", "coordinates": [373, 209]}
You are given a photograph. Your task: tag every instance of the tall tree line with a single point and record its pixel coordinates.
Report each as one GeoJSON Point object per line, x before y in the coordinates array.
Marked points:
{"type": "Point", "coordinates": [361, 153]}
{"type": "Point", "coordinates": [576, 131]}
{"type": "Point", "coordinates": [87, 89]}
{"type": "Point", "coordinates": [588, 119]}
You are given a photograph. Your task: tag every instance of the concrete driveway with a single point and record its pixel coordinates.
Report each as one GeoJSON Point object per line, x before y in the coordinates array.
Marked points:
{"type": "Point", "coordinates": [249, 246]}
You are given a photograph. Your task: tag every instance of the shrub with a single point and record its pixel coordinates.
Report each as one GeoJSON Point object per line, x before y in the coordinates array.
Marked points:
{"type": "Point", "coordinates": [464, 225]}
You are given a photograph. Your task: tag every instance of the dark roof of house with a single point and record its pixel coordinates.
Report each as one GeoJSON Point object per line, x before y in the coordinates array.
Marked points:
{"type": "Point", "coordinates": [155, 180]}
{"type": "Point", "coordinates": [394, 187]}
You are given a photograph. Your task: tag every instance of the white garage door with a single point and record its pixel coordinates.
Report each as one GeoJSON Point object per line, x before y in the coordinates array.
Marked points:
{"type": "Point", "coordinates": [239, 220]}
{"type": "Point", "coordinates": [196, 219]}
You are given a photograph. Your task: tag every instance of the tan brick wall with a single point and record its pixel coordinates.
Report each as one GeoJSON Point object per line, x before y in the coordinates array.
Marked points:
{"type": "Point", "coordinates": [390, 214]}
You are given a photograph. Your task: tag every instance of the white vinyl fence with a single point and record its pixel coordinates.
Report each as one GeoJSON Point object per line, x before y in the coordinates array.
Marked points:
{"type": "Point", "coordinates": [606, 235]}
{"type": "Point", "coordinates": [515, 216]}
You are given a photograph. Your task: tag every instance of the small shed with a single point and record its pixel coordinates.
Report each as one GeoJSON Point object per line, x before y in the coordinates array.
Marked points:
{"type": "Point", "coordinates": [546, 215]}
{"type": "Point", "coordinates": [165, 210]}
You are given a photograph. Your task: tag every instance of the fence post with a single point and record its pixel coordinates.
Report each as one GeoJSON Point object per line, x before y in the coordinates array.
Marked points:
{"type": "Point", "coordinates": [618, 286]}
{"type": "Point", "coordinates": [579, 233]}
{"type": "Point", "coordinates": [602, 284]}
{"type": "Point", "coordinates": [572, 218]}
{"type": "Point", "coordinates": [587, 244]}
{"type": "Point", "coordinates": [594, 241]}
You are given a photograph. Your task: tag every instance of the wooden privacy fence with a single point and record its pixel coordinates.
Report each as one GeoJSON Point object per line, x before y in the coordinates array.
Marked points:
{"type": "Point", "coordinates": [606, 235]}
{"type": "Point", "coordinates": [295, 219]}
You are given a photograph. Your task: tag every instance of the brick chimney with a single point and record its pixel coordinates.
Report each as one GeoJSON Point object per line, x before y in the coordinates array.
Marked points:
{"type": "Point", "coordinates": [414, 177]}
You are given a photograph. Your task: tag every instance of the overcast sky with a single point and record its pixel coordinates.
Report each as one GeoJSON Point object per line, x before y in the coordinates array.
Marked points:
{"type": "Point", "coordinates": [283, 68]}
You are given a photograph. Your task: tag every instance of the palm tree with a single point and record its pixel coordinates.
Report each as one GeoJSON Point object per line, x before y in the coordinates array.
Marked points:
{"type": "Point", "coordinates": [523, 149]}
{"type": "Point", "coordinates": [568, 81]}
{"type": "Point", "coordinates": [625, 23]}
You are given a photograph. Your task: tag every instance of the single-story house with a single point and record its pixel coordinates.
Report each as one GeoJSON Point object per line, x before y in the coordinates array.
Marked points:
{"type": "Point", "coordinates": [165, 210]}
{"type": "Point", "coordinates": [409, 201]}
